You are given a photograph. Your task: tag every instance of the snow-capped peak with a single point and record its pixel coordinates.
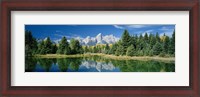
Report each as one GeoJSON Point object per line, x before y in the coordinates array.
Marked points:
{"type": "Point", "coordinates": [99, 39]}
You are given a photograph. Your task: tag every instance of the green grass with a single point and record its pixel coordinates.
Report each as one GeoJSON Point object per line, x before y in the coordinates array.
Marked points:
{"type": "Point", "coordinates": [143, 58]}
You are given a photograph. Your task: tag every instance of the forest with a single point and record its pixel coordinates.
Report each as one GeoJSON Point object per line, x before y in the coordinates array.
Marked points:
{"type": "Point", "coordinates": [128, 45]}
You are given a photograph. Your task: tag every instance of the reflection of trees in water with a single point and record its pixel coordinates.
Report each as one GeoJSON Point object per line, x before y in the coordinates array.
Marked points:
{"type": "Point", "coordinates": [144, 66]}
{"type": "Point", "coordinates": [170, 67]}
{"type": "Point", "coordinates": [97, 59]}
{"type": "Point", "coordinates": [46, 63]}
{"type": "Point", "coordinates": [30, 64]}
{"type": "Point", "coordinates": [73, 64]}
{"type": "Point", "coordinates": [63, 64]}
{"type": "Point", "coordinates": [68, 63]}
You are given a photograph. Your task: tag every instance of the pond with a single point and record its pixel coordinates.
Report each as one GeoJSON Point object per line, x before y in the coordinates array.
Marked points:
{"type": "Point", "coordinates": [95, 64]}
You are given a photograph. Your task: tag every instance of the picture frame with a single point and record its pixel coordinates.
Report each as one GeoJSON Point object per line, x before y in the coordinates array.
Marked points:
{"type": "Point", "coordinates": [193, 90]}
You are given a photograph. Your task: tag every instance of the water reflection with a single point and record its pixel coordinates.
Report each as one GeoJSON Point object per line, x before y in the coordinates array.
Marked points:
{"type": "Point", "coordinates": [95, 64]}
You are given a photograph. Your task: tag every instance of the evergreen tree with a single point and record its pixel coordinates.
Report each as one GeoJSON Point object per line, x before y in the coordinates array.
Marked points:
{"type": "Point", "coordinates": [172, 44]}
{"type": "Point", "coordinates": [152, 40]}
{"type": "Point", "coordinates": [140, 38]}
{"type": "Point", "coordinates": [120, 51]}
{"type": "Point", "coordinates": [130, 51]}
{"type": "Point", "coordinates": [157, 49]}
{"type": "Point", "coordinates": [157, 37]}
{"type": "Point", "coordinates": [151, 52]}
{"type": "Point", "coordinates": [141, 45]}
{"type": "Point", "coordinates": [54, 48]}
{"type": "Point", "coordinates": [134, 41]}
{"type": "Point", "coordinates": [30, 44]}
{"type": "Point", "coordinates": [63, 44]}
{"type": "Point", "coordinates": [166, 45]}
{"type": "Point", "coordinates": [41, 48]}
{"type": "Point", "coordinates": [146, 38]}
{"type": "Point", "coordinates": [125, 40]}
{"type": "Point", "coordinates": [48, 46]}
{"type": "Point", "coordinates": [67, 50]}
{"type": "Point", "coordinates": [106, 49]}
{"type": "Point", "coordinates": [75, 47]}
{"type": "Point", "coordinates": [140, 53]}
{"type": "Point", "coordinates": [147, 50]}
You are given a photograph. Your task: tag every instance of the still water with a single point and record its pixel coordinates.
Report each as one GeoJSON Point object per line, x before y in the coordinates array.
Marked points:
{"type": "Point", "coordinates": [95, 64]}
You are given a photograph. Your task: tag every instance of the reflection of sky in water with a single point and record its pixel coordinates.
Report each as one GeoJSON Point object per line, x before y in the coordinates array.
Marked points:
{"type": "Point", "coordinates": [39, 68]}
{"type": "Point", "coordinates": [54, 68]}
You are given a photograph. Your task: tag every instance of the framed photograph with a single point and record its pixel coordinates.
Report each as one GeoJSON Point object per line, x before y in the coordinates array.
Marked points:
{"type": "Point", "coordinates": [120, 48]}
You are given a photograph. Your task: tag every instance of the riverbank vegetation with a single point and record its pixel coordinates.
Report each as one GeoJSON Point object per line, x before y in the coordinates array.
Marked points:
{"type": "Point", "coordinates": [129, 46]}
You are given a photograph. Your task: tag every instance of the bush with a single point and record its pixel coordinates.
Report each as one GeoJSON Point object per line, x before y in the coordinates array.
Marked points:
{"type": "Point", "coordinates": [162, 54]}
{"type": "Point", "coordinates": [151, 53]}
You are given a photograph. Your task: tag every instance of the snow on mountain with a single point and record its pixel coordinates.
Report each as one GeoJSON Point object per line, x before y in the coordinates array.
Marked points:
{"type": "Point", "coordinates": [90, 41]}
{"type": "Point", "coordinates": [99, 39]}
{"type": "Point", "coordinates": [110, 39]}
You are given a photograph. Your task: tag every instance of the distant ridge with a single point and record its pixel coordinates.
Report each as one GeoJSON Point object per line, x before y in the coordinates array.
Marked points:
{"type": "Point", "coordinates": [99, 39]}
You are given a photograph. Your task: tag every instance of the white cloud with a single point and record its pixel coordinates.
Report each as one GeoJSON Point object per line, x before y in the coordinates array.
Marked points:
{"type": "Point", "coordinates": [149, 31]}
{"type": "Point", "coordinates": [69, 37]}
{"type": "Point", "coordinates": [165, 29]}
{"type": "Point", "coordinates": [137, 26]}
{"type": "Point", "coordinates": [138, 32]}
{"type": "Point", "coordinates": [118, 27]}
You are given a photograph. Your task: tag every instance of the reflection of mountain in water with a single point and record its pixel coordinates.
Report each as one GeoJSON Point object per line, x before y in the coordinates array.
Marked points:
{"type": "Point", "coordinates": [99, 66]}
{"type": "Point", "coordinates": [95, 64]}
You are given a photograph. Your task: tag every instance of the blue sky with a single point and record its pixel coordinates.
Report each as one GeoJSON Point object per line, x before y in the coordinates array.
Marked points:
{"type": "Point", "coordinates": [56, 32]}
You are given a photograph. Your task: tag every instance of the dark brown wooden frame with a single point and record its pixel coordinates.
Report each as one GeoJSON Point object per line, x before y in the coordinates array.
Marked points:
{"type": "Point", "coordinates": [99, 5]}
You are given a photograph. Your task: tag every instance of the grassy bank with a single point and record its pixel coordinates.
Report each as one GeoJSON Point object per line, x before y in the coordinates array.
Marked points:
{"type": "Point", "coordinates": [143, 58]}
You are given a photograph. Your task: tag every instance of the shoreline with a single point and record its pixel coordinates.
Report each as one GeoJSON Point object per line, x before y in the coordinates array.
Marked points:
{"type": "Point", "coordinates": [142, 58]}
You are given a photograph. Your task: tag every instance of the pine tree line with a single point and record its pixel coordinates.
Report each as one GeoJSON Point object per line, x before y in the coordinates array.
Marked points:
{"type": "Point", "coordinates": [48, 47]}
{"type": "Point", "coordinates": [147, 45]}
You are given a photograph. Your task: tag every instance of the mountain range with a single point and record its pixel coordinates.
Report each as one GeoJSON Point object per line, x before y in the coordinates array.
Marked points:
{"type": "Point", "coordinates": [99, 39]}
{"type": "Point", "coordinates": [91, 41]}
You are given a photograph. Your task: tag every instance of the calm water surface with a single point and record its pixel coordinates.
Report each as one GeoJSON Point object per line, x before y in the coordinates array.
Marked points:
{"type": "Point", "coordinates": [95, 64]}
